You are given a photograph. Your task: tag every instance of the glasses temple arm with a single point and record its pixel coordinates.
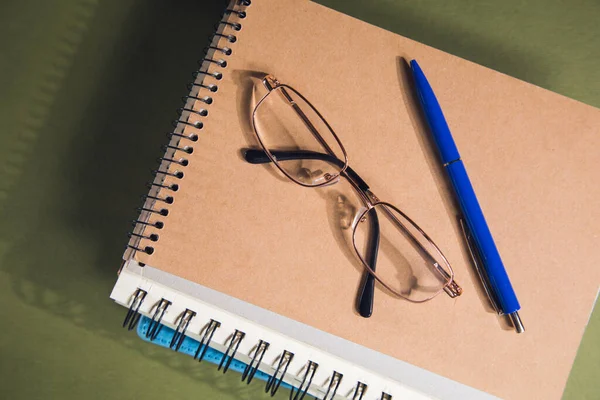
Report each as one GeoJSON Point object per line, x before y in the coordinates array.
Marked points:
{"type": "Point", "coordinates": [254, 156]}
{"type": "Point", "coordinates": [366, 293]}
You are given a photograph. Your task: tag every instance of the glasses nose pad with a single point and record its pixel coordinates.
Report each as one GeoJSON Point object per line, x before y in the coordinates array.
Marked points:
{"type": "Point", "coordinates": [316, 177]}
{"type": "Point", "coordinates": [331, 181]}
{"type": "Point", "coordinates": [359, 217]}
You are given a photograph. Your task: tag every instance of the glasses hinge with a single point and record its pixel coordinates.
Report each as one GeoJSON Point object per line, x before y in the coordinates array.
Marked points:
{"type": "Point", "coordinates": [270, 82]}
{"type": "Point", "coordinates": [452, 289]}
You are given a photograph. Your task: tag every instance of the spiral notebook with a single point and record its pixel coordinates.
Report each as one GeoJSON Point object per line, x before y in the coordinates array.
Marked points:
{"type": "Point", "coordinates": [237, 258]}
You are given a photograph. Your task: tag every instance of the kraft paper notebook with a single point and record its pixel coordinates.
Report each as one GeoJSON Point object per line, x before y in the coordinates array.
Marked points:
{"type": "Point", "coordinates": [239, 256]}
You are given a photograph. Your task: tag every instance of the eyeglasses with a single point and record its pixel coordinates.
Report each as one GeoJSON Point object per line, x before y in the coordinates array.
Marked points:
{"type": "Point", "coordinates": [393, 249]}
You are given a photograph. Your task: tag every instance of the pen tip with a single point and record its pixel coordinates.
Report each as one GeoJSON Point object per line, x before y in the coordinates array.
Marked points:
{"type": "Point", "coordinates": [516, 322]}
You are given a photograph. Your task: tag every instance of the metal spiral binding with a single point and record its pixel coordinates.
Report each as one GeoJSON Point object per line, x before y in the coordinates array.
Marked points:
{"type": "Point", "coordinates": [133, 314]}
{"type": "Point", "coordinates": [181, 139]}
{"type": "Point", "coordinates": [334, 384]}
{"type": "Point", "coordinates": [211, 327]}
{"type": "Point", "coordinates": [256, 355]}
{"type": "Point", "coordinates": [274, 381]}
{"type": "Point", "coordinates": [253, 365]}
{"type": "Point", "coordinates": [360, 390]}
{"type": "Point", "coordinates": [155, 323]}
{"type": "Point", "coordinates": [184, 321]}
{"type": "Point", "coordinates": [309, 374]}
{"type": "Point", "coordinates": [233, 347]}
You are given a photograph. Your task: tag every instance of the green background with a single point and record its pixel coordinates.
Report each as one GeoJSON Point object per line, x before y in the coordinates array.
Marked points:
{"type": "Point", "coordinates": [89, 87]}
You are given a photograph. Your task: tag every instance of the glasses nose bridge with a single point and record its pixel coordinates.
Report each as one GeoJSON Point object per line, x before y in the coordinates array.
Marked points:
{"type": "Point", "coordinates": [362, 194]}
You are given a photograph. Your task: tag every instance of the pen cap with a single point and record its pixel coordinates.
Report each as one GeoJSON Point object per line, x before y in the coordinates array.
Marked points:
{"type": "Point", "coordinates": [434, 116]}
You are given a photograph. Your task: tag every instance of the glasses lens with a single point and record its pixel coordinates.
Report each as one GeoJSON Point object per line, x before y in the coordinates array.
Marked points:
{"type": "Point", "coordinates": [399, 254]}
{"type": "Point", "coordinates": [302, 144]}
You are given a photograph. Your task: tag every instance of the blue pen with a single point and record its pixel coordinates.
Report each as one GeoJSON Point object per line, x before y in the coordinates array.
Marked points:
{"type": "Point", "coordinates": [481, 245]}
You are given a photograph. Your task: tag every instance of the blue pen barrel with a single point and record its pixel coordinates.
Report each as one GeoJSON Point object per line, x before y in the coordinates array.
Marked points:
{"type": "Point", "coordinates": [482, 237]}
{"type": "Point", "coordinates": [474, 219]}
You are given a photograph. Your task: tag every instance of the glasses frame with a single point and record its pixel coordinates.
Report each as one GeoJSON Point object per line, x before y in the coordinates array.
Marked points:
{"type": "Point", "coordinates": [369, 199]}
{"type": "Point", "coordinates": [274, 86]}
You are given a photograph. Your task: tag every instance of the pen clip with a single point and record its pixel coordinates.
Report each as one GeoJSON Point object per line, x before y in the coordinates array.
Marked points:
{"type": "Point", "coordinates": [478, 264]}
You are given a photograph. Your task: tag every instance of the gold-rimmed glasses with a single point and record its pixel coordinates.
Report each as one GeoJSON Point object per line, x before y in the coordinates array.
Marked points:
{"type": "Point", "coordinates": [393, 249]}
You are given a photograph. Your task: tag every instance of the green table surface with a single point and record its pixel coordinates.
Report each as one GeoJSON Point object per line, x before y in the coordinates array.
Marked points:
{"type": "Point", "coordinates": [89, 87]}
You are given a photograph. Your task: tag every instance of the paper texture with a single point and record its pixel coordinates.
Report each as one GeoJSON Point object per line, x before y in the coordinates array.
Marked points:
{"type": "Point", "coordinates": [532, 157]}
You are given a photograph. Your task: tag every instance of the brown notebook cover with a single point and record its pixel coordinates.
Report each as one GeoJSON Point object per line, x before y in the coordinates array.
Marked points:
{"type": "Point", "coordinates": [532, 156]}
